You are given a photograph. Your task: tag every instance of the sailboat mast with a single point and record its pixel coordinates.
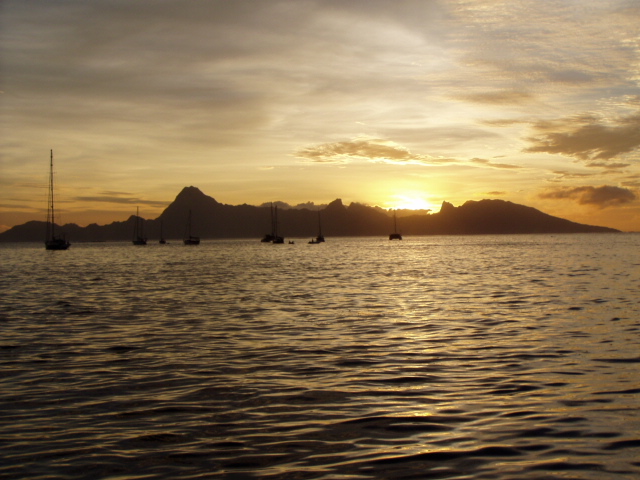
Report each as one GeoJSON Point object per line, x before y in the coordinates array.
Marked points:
{"type": "Point", "coordinates": [136, 233]}
{"type": "Point", "coordinates": [275, 223]}
{"type": "Point", "coordinates": [50, 211]}
{"type": "Point", "coordinates": [51, 242]}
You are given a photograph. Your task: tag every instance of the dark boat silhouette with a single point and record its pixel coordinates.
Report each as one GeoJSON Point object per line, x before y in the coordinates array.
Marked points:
{"type": "Point", "coordinates": [320, 237]}
{"type": "Point", "coordinates": [188, 238]}
{"type": "Point", "coordinates": [395, 235]}
{"type": "Point", "coordinates": [138, 230]}
{"type": "Point", "coordinates": [273, 237]}
{"type": "Point", "coordinates": [52, 242]}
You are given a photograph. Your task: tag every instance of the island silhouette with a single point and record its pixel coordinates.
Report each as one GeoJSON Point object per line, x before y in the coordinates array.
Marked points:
{"type": "Point", "coordinates": [211, 219]}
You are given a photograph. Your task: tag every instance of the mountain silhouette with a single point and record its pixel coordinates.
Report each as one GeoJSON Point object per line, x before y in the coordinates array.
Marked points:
{"type": "Point", "coordinates": [211, 219]}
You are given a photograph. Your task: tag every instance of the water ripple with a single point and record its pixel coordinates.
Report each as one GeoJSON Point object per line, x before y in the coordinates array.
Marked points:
{"type": "Point", "coordinates": [439, 357]}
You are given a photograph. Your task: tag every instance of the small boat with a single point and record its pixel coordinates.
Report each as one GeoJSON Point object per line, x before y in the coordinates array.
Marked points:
{"type": "Point", "coordinates": [162, 241]}
{"type": "Point", "coordinates": [52, 242]}
{"type": "Point", "coordinates": [138, 230]}
{"type": "Point", "coordinates": [395, 235]}
{"type": "Point", "coordinates": [188, 238]}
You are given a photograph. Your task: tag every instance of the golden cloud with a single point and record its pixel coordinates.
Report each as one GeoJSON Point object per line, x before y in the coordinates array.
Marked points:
{"type": "Point", "coordinates": [488, 163]}
{"type": "Point", "coordinates": [370, 149]}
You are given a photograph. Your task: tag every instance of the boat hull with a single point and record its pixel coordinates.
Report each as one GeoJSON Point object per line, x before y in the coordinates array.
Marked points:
{"type": "Point", "coordinates": [192, 241]}
{"type": "Point", "coordinates": [57, 244]}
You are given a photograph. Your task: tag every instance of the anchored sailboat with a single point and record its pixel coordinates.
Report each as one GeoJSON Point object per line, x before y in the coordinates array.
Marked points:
{"type": "Point", "coordinates": [395, 235]}
{"type": "Point", "coordinates": [138, 230]}
{"type": "Point", "coordinates": [320, 237]}
{"type": "Point", "coordinates": [273, 237]}
{"type": "Point", "coordinates": [188, 238]}
{"type": "Point", "coordinates": [51, 241]}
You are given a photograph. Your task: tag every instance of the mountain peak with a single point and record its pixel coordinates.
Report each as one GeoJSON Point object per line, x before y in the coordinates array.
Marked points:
{"type": "Point", "coordinates": [336, 204]}
{"type": "Point", "coordinates": [446, 207]}
{"type": "Point", "coordinates": [193, 195]}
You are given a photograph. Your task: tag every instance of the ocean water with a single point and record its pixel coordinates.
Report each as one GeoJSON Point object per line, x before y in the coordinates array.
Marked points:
{"type": "Point", "coordinates": [481, 357]}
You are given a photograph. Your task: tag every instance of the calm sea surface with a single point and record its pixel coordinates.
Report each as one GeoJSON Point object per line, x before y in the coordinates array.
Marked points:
{"type": "Point", "coordinates": [482, 357]}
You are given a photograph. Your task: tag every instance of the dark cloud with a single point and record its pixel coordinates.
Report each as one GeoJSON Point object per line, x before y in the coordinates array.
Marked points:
{"type": "Point", "coordinates": [602, 197]}
{"type": "Point", "coordinates": [587, 137]}
{"type": "Point", "coordinates": [121, 200]}
{"type": "Point", "coordinates": [376, 150]}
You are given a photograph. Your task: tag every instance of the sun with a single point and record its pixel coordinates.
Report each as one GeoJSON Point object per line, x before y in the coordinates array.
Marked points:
{"type": "Point", "coordinates": [403, 202]}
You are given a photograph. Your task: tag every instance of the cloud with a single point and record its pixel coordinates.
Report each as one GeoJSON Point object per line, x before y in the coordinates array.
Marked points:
{"type": "Point", "coordinates": [570, 76]}
{"type": "Point", "coordinates": [371, 149]}
{"type": "Point", "coordinates": [631, 181]}
{"type": "Point", "coordinates": [608, 166]}
{"type": "Point", "coordinates": [503, 97]}
{"type": "Point", "coordinates": [564, 175]}
{"type": "Point", "coordinates": [488, 163]}
{"type": "Point", "coordinates": [602, 197]}
{"type": "Point", "coordinates": [120, 200]}
{"type": "Point", "coordinates": [503, 122]}
{"type": "Point", "coordinates": [587, 137]}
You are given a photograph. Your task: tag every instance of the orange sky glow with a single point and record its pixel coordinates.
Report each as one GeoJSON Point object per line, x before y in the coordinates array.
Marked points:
{"type": "Point", "coordinates": [402, 104]}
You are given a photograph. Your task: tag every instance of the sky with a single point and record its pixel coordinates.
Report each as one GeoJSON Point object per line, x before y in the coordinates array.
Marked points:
{"type": "Point", "coordinates": [401, 104]}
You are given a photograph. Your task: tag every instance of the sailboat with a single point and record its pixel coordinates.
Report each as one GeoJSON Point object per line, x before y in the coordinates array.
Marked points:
{"type": "Point", "coordinates": [276, 238]}
{"type": "Point", "coordinates": [188, 238]}
{"type": "Point", "coordinates": [273, 236]}
{"type": "Point", "coordinates": [320, 237]}
{"type": "Point", "coordinates": [268, 237]}
{"type": "Point", "coordinates": [162, 240]}
{"type": "Point", "coordinates": [51, 241]}
{"type": "Point", "coordinates": [395, 235]}
{"type": "Point", "coordinates": [138, 233]}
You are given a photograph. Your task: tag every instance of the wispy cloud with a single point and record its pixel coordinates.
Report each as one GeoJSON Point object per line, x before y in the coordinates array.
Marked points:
{"type": "Point", "coordinates": [370, 149]}
{"type": "Point", "coordinates": [587, 137]}
{"type": "Point", "coordinates": [489, 164]}
{"type": "Point", "coordinates": [115, 199]}
{"type": "Point", "coordinates": [608, 166]}
{"type": "Point", "coordinates": [560, 175]}
{"type": "Point", "coordinates": [503, 97]}
{"type": "Point", "coordinates": [602, 197]}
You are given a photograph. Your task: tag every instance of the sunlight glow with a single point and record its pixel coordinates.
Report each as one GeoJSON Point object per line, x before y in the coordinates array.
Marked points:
{"type": "Point", "coordinates": [403, 202]}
